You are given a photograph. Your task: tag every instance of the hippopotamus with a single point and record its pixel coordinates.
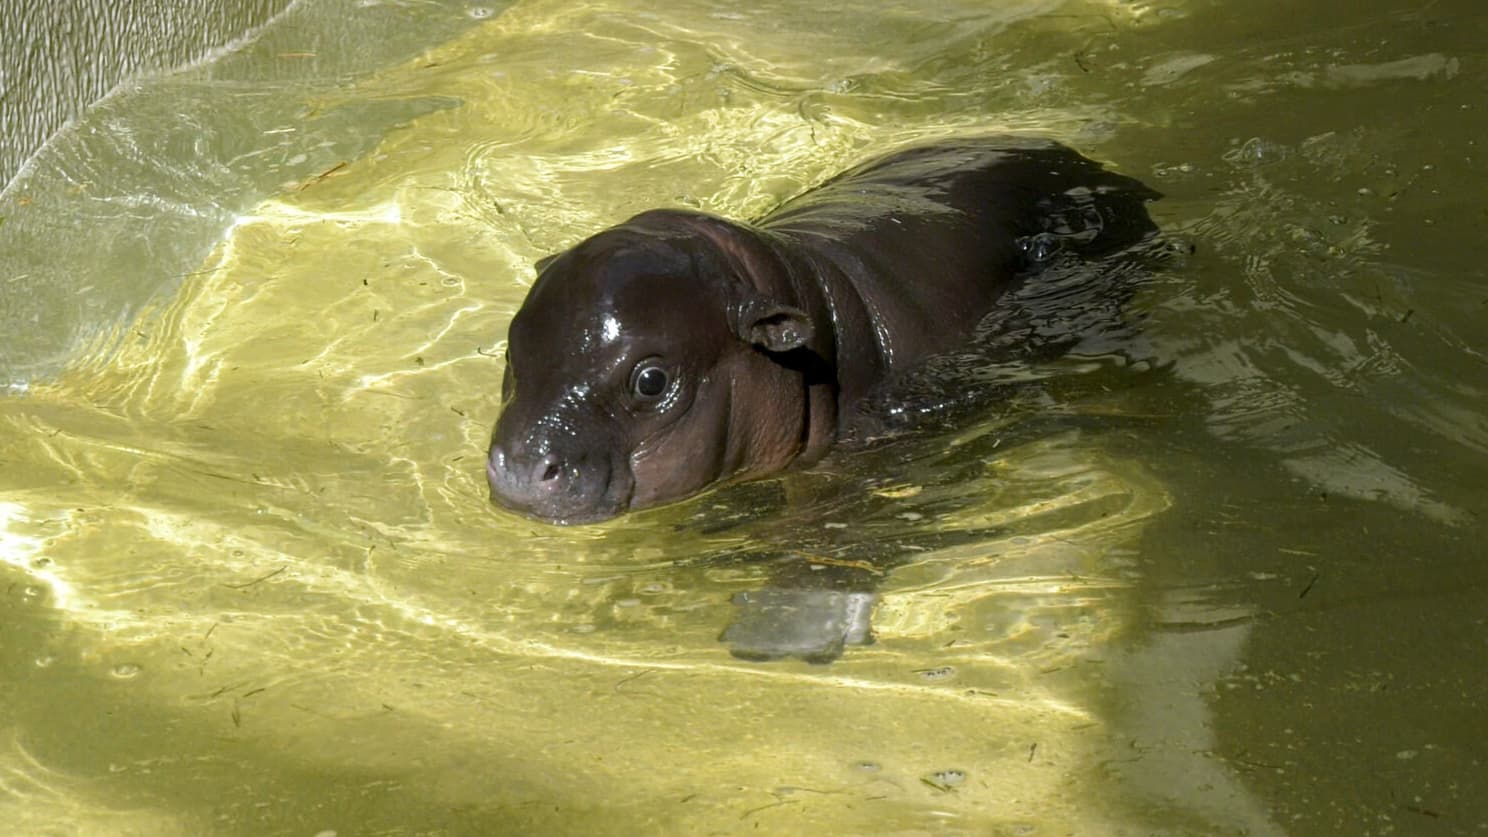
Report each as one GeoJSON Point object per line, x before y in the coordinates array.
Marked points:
{"type": "Point", "coordinates": [678, 350]}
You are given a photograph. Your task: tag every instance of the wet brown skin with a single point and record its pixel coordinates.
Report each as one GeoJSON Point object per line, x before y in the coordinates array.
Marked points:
{"type": "Point", "coordinates": [679, 350]}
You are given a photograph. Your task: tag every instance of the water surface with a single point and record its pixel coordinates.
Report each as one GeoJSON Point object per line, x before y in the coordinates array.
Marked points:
{"type": "Point", "coordinates": [1228, 579]}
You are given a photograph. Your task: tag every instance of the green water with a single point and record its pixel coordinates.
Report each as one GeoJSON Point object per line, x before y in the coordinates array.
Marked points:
{"type": "Point", "coordinates": [250, 583]}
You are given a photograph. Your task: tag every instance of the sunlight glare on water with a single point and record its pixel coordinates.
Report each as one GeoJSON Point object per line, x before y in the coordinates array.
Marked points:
{"type": "Point", "coordinates": [275, 514]}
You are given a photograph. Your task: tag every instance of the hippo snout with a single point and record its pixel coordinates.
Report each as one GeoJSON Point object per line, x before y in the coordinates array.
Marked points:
{"type": "Point", "coordinates": [552, 487]}
{"type": "Point", "coordinates": [542, 474]}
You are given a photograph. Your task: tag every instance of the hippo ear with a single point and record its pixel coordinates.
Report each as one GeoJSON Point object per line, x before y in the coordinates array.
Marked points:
{"type": "Point", "coordinates": [771, 326]}
{"type": "Point", "coordinates": [757, 319]}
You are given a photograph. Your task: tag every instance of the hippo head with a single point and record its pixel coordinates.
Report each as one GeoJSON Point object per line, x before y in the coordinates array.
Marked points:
{"type": "Point", "coordinates": [646, 364]}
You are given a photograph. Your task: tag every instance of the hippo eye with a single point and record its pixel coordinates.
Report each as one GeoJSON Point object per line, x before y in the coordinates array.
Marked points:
{"type": "Point", "coordinates": [649, 380]}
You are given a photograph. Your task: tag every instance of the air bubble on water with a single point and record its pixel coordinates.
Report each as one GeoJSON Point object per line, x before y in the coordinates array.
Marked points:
{"type": "Point", "coordinates": [1167, 170]}
{"type": "Point", "coordinates": [126, 671]}
{"type": "Point", "coordinates": [945, 780]}
{"type": "Point", "coordinates": [480, 12]}
{"type": "Point", "coordinates": [936, 675]}
{"type": "Point", "coordinates": [1041, 247]}
{"type": "Point", "coordinates": [1255, 151]}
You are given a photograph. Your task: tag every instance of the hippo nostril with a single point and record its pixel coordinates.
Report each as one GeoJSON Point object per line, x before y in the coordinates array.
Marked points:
{"type": "Point", "coordinates": [549, 468]}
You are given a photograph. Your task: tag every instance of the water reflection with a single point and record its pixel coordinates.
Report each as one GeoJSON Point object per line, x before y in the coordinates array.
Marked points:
{"type": "Point", "coordinates": [281, 638]}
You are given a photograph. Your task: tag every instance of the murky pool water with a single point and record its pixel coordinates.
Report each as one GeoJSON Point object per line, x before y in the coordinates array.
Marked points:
{"type": "Point", "coordinates": [1230, 579]}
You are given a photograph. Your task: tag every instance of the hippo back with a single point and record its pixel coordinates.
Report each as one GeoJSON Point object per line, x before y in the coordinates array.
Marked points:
{"type": "Point", "coordinates": [913, 249]}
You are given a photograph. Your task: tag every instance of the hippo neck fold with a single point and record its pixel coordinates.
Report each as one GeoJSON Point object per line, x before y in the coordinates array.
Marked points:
{"type": "Point", "coordinates": [856, 343]}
